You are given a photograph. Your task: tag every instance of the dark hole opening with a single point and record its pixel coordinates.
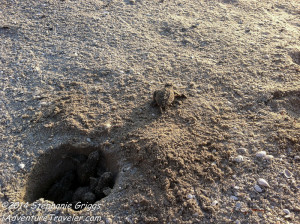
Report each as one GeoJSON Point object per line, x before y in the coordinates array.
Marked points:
{"type": "Point", "coordinates": [72, 176]}
{"type": "Point", "coordinates": [295, 57]}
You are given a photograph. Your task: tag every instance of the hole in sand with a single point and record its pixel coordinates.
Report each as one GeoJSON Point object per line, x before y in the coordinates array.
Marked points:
{"type": "Point", "coordinates": [295, 57]}
{"type": "Point", "coordinates": [73, 176]}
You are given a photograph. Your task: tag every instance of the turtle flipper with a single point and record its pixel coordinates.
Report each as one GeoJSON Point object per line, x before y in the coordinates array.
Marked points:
{"type": "Point", "coordinates": [178, 95]}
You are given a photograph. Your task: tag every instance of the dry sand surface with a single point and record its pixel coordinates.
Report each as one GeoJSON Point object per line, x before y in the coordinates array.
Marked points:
{"type": "Point", "coordinates": [77, 76]}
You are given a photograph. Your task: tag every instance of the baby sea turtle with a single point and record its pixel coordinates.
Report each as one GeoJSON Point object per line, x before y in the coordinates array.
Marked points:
{"type": "Point", "coordinates": [106, 180]}
{"type": "Point", "coordinates": [88, 168]}
{"type": "Point", "coordinates": [166, 97]}
{"type": "Point", "coordinates": [58, 190]}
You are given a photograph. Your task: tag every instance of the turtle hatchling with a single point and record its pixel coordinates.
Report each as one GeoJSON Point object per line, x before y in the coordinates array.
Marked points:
{"type": "Point", "coordinates": [165, 97]}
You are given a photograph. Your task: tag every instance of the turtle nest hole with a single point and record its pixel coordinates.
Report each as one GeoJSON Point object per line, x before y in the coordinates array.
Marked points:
{"type": "Point", "coordinates": [71, 175]}
{"type": "Point", "coordinates": [295, 55]}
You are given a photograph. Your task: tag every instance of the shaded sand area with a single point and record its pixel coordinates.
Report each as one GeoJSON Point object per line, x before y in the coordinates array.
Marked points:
{"type": "Point", "coordinates": [77, 77]}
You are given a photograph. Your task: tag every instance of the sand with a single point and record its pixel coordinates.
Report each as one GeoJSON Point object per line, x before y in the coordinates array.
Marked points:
{"type": "Point", "coordinates": [78, 76]}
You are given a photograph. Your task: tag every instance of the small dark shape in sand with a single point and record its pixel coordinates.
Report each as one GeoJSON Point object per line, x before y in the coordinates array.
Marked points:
{"type": "Point", "coordinates": [165, 97]}
{"type": "Point", "coordinates": [106, 180]}
{"type": "Point", "coordinates": [4, 27]}
{"type": "Point", "coordinates": [58, 190]}
{"type": "Point", "coordinates": [80, 192]}
{"type": "Point", "coordinates": [89, 197]}
{"type": "Point", "coordinates": [88, 169]}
